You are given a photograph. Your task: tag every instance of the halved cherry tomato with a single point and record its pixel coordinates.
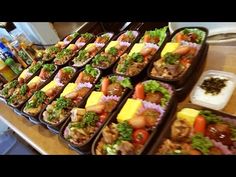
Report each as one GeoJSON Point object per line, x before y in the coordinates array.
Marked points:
{"type": "Point", "coordinates": [140, 136]}
{"type": "Point", "coordinates": [103, 117]}
{"type": "Point", "coordinates": [200, 124]}
{"type": "Point", "coordinates": [139, 91]}
{"type": "Point", "coordinates": [105, 84]}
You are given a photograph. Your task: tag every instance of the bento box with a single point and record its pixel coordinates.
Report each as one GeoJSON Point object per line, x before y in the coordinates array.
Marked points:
{"type": "Point", "coordinates": [196, 130]}
{"type": "Point", "coordinates": [133, 127]}
{"type": "Point", "coordinates": [180, 56]}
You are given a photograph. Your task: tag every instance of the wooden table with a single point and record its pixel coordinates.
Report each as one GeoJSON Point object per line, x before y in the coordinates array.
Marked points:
{"type": "Point", "coordinates": [218, 58]}
{"type": "Point", "coordinates": [221, 58]}
{"type": "Point", "coordinates": [37, 136]}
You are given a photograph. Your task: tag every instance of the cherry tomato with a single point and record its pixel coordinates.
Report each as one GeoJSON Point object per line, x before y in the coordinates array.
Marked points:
{"type": "Point", "coordinates": [103, 117]}
{"type": "Point", "coordinates": [140, 136]}
{"type": "Point", "coordinates": [200, 124]}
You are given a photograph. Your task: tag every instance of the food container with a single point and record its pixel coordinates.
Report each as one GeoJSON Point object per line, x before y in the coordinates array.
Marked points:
{"type": "Point", "coordinates": [3, 97]}
{"type": "Point", "coordinates": [86, 147]}
{"type": "Point", "coordinates": [166, 132]}
{"type": "Point", "coordinates": [107, 70]}
{"type": "Point", "coordinates": [169, 108]}
{"type": "Point", "coordinates": [135, 78]}
{"type": "Point", "coordinates": [183, 92]}
{"type": "Point", "coordinates": [55, 128]}
{"type": "Point", "coordinates": [111, 34]}
{"type": "Point", "coordinates": [45, 82]}
{"type": "Point", "coordinates": [35, 117]}
{"type": "Point", "coordinates": [209, 92]}
{"type": "Point", "coordinates": [182, 79]}
{"type": "Point", "coordinates": [65, 63]}
{"type": "Point", "coordinates": [67, 43]}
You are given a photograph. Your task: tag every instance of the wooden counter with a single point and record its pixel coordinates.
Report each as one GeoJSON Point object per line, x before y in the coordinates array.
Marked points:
{"type": "Point", "coordinates": [40, 138]}
{"type": "Point", "coordinates": [218, 58]}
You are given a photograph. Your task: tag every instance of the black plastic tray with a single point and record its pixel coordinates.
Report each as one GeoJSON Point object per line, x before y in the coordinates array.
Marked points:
{"type": "Point", "coordinates": [87, 146]}
{"type": "Point", "coordinates": [71, 63]}
{"type": "Point", "coordinates": [56, 127]}
{"type": "Point", "coordinates": [167, 129]}
{"type": "Point", "coordinates": [180, 81]}
{"type": "Point", "coordinates": [26, 81]}
{"type": "Point", "coordinates": [170, 107]}
{"type": "Point", "coordinates": [137, 77]}
{"type": "Point", "coordinates": [183, 92]}
{"type": "Point", "coordinates": [108, 69]}
{"type": "Point", "coordinates": [18, 108]}
{"type": "Point", "coordinates": [66, 63]}
{"type": "Point", "coordinates": [72, 42]}
{"type": "Point", "coordinates": [35, 118]}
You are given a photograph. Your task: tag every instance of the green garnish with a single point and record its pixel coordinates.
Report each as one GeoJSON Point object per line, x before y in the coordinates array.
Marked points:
{"type": "Point", "coordinates": [34, 68]}
{"type": "Point", "coordinates": [113, 51]}
{"type": "Point", "coordinates": [171, 58]}
{"type": "Point", "coordinates": [99, 58]}
{"type": "Point", "coordinates": [130, 34]}
{"type": "Point", "coordinates": [89, 119]}
{"type": "Point", "coordinates": [54, 114]}
{"type": "Point", "coordinates": [64, 52]}
{"type": "Point", "coordinates": [49, 67]}
{"type": "Point", "coordinates": [210, 117]}
{"type": "Point", "coordinates": [23, 89]}
{"type": "Point", "coordinates": [200, 34]}
{"type": "Point", "coordinates": [125, 130]}
{"type": "Point", "coordinates": [81, 55]}
{"type": "Point", "coordinates": [9, 85]}
{"type": "Point", "coordinates": [201, 143]}
{"type": "Point", "coordinates": [75, 34]}
{"type": "Point", "coordinates": [68, 70]}
{"type": "Point", "coordinates": [136, 57]}
{"type": "Point", "coordinates": [88, 36]}
{"type": "Point", "coordinates": [52, 49]}
{"type": "Point", "coordinates": [153, 86]}
{"type": "Point", "coordinates": [62, 103]}
{"type": "Point", "coordinates": [38, 98]}
{"type": "Point", "coordinates": [126, 83]}
{"type": "Point", "coordinates": [160, 33]}
{"type": "Point", "coordinates": [90, 70]}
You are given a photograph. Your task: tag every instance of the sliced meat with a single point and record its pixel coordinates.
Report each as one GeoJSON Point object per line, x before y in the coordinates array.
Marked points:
{"type": "Point", "coordinates": [126, 148]}
{"type": "Point", "coordinates": [110, 134]}
{"type": "Point", "coordinates": [180, 130]}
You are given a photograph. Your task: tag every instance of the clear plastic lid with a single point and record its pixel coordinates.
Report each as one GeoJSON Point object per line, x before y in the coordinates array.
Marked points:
{"type": "Point", "coordinates": [222, 91]}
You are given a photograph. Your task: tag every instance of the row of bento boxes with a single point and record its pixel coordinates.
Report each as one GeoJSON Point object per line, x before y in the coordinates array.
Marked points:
{"type": "Point", "coordinates": [77, 104]}
{"type": "Point", "coordinates": [171, 58]}
{"type": "Point", "coordinates": [119, 118]}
